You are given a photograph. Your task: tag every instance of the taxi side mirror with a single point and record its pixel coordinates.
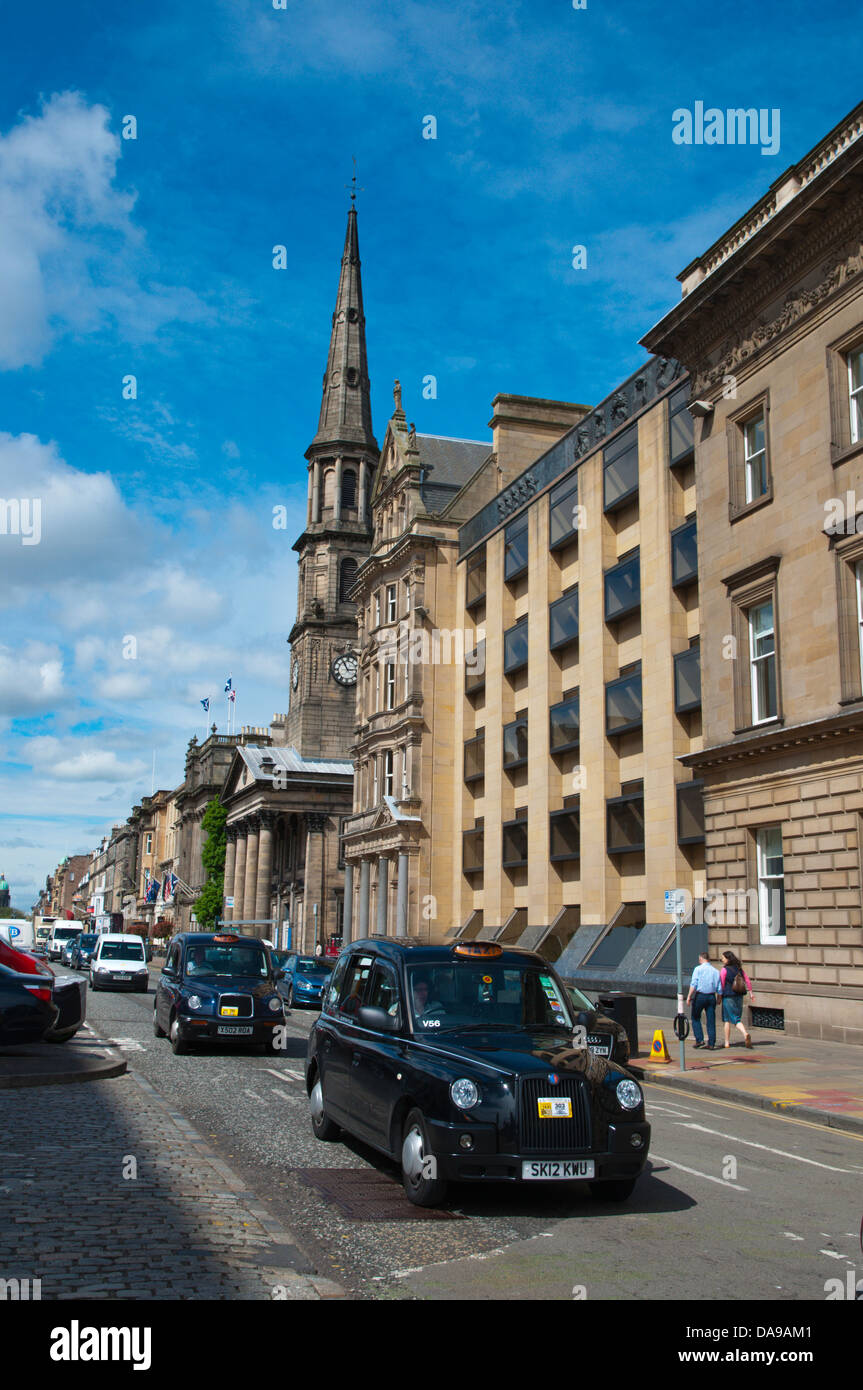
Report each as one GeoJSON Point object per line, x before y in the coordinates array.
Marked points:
{"type": "Point", "coordinates": [377, 1020]}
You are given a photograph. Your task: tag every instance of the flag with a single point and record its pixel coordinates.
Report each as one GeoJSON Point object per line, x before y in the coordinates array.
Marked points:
{"type": "Point", "coordinates": [206, 704]}
{"type": "Point", "coordinates": [232, 697]}
{"type": "Point", "coordinates": [228, 686]}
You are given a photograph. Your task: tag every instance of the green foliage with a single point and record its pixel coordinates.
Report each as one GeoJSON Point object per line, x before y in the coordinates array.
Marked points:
{"type": "Point", "coordinates": [13, 912]}
{"type": "Point", "coordinates": [208, 906]}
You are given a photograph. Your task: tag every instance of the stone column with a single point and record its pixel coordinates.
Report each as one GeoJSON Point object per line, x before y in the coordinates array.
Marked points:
{"type": "Point", "coordinates": [265, 867]}
{"type": "Point", "coordinates": [365, 881]}
{"type": "Point", "coordinates": [316, 490]}
{"type": "Point", "coordinates": [402, 900]}
{"type": "Point", "coordinates": [230, 861]}
{"type": "Point", "coordinates": [310, 504]}
{"type": "Point", "coordinates": [364, 490]}
{"type": "Point", "coordinates": [337, 496]}
{"type": "Point", "coordinates": [348, 915]}
{"type": "Point", "coordinates": [382, 897]}
{"type": "Point", "coordinates": [251, 876]}
{"type": "Point", "coordinates": [239, 871]}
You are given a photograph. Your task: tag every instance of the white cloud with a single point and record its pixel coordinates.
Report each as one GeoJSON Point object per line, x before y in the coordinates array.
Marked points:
{"type": "Point", "coordinates": [55, 759]}
{"type": "Point", "coordinates": [31, 679]}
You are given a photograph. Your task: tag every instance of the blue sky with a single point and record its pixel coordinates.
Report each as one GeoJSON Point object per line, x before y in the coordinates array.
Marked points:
{"type": "Point", "coordinates": [153, 257]}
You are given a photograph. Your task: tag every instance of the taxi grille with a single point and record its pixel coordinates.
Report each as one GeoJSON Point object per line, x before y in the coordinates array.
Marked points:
{"type": "Point", "coordinates": [558, 1135]}
{"type": "Point", "coordinates": [241, 1002]}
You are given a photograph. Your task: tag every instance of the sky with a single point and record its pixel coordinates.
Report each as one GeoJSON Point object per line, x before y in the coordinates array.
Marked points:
{"type": "Point", "coordinates": [155, 571]}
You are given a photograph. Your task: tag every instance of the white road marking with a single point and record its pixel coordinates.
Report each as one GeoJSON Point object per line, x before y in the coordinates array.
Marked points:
{"type": "Point", "coordinates": [751, 1144]}
{"type": "Point", "coordinates": [834, 1255]}
{"type": "Point", "coordinates": [696, 1174]}
{"type": "Point", "coordinates": [791, 1235]}
{"type": "Point", "coordinates": [127, 1044]}
{"type": "Point", "coordinates": [255, 1096]}
{"type": "Point", "coordinates": [285, 1074]}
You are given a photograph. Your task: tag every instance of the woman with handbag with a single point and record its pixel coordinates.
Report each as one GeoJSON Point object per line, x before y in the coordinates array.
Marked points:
{"type": "Point", "coordinates": [735, 985]}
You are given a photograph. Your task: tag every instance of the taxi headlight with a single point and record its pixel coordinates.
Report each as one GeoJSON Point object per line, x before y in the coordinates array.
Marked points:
{"type": "Point", "coordinates": [464, 1093]}
{"type": "Point", "coordinates": [275, 1004]}
{"type": "Point", "coordinates": [194, 1001]}
{"type": "Point", "coordinates": [629, 1094]}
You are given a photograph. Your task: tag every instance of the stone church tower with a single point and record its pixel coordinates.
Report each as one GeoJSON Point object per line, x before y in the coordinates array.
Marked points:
{"type": "Point", "coordinates": [342, 459]}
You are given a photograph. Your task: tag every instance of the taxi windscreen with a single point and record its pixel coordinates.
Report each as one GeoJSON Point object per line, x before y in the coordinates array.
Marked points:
{"type": "Point", "coordinates": [485, 994]}
{"type": "Point", "coordinates": [217, 960]}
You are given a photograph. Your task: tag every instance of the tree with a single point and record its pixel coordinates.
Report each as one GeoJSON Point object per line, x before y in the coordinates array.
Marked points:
{"type": "Point", "coordinates": [209, 905]}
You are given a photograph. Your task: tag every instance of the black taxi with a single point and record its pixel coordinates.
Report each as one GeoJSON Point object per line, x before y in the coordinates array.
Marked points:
{"type": "Point", "coordinates": [217, 987]}
{"type": "Point", "coordinates": [467, 1063]}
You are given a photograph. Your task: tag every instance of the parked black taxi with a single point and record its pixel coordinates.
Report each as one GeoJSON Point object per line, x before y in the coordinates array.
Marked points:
{"type": "Point", "coordinates": [466, 1063]}
{"type": "Point", "coordinates": [217, 987]}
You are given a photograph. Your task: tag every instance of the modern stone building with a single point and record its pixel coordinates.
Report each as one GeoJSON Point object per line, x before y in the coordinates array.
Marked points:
{"type": "Point", "coordinates": [770, 325]}
{"type": "Point", "coordinates": [399, 843]}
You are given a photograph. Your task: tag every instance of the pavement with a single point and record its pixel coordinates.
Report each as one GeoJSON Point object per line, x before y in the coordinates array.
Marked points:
{"type": "Point", "coordinates": [817, 1081]}
{"type": "Point", "coordinates": [82, 1058]}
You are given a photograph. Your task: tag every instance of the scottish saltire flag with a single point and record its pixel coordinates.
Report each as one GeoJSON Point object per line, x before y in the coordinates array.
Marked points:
{"type": "Point", "coordinates": [228, 686]}
{"type": "Point", "coordinates": [206, 704]}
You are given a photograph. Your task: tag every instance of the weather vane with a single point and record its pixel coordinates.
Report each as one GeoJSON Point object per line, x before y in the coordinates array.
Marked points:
{"type": "Point", "coordinates": [353, 183]}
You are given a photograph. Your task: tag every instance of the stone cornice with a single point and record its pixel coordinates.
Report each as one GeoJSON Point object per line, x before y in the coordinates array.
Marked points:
{"type": "Point", "coordinates": [779, 740]}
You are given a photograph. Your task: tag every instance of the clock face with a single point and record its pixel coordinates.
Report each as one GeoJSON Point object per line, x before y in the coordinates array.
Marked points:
{"type": "Point", "coordinates": [295, 675]}
{"type": "Point", "coordinates": [344, 669]}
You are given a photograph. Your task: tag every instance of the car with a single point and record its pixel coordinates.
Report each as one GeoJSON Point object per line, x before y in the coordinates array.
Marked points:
{"type": "Point", "coordinates": [60, 934]}
{"type": "Point", "coordinates": [605, 1035]}
{"type": "Point", "coordinates": [27, 1009]}
{"type": "Point", "coordinates": [305, 979]}
{"type": "Point", "coordinates": [218, 987]}
{"type": "Point", "coordinates": [68, 996]}
{"type": "Point", "coordinates": [119, 962]}
{"type": "Point", "coordinates": [82, 949]}
{"type": "Point", "coordinates": [464, 1062]}
{"type": "Point", "coordinates": [68, 947]}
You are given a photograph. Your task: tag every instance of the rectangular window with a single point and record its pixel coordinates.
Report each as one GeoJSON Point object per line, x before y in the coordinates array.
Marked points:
{"type": "Point", "coordinates": [406, 789]}
{"type": "Point", "coordinates": [623, 708]}
{"type": "Point", "coordinates": [474, 758]}
{"type": "Point", "coordinates": [148, 846]}
{"type": "Point", "coordinates": [563, 512]}
{"type": "Point", "coordinates": [377, 610]}
{"type": "Point", "coordinates": [375, 789]}
{"type": "Point", "coordinates": [472, 848]}
{"type": "Point", "coordinates": [515, 744]}
{"type": "Point", "coordinates": [515, 842]}
{"type": "Point", "coordinates": [625, 823]}
{"type": "Point", "coordinates": [474, 671]}
{"type": "Point", "coordinates": [565, 835]}
{"type": "Point", "coordinates": [623, 588]}
{"type": "Point", "coordinates": [389, 772]}
{"type": "Point", "coordinates": [515, 549]}
{"type": "Point", "coordinates": [407, 592]}
{"type": "Point", "coordinates": [690, 813]}
{"type": "Point", "coordinates": [475, 579]}
{"type": "Point", "coordinates": [681, 426]}
{"type": "Point", "coordinates": [687, 680]}
{"type": "Point", "coordinates": [563, 620]}
{"type": "Point", "coordinates": [858, 585]}
{"type": "Point", "coordinates": [762, 660]}
{"type": "Point", "coordinates": [771, 885]}
{"type": "Point", "coordinates": [390, 685]}
{"type": "Point", "coordinates": [684, 554]}
{"type": "Point", "coordinates": [515, 647]}
{"type": "Point", "coordinates": [755, 458]}
{"type": "Point", "coordinates": [620, 470]}
{"type": "Point", "coordinates": [855, 393]}
{"type": "Point", "coordinates": [563, 725]}
{"type": "Point", "coordinates": [391, 603]}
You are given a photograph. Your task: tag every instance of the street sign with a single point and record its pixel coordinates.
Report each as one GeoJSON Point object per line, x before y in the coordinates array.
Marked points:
{"type": "Point", "coordinates": [229, 902]}
{"type": "Point", "coordinates": [675, 901]}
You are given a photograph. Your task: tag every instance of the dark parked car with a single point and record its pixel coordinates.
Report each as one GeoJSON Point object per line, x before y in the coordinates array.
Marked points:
{"type": "Point", "coordinates": [27, 1010]}
{"type": "Point", "coordinates": [216, 988]}
{"type": "Point", "coordinates": [67, 948]}
{"type": "Point", "coordinates": [605, 1036]}
{"type": "Point", "coordinates": [459, 1062]}
{"type": "Point", "coordinates": [82, 949]}
{"type": "Point", "coordinates": [306, 978]}
{"type": "Point", "coordinates": [66, 998]}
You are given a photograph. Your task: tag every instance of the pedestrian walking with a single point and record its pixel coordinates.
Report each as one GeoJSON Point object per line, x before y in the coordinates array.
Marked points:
{"type": "Point", "coordinates": [704, 991]}
{"type": "Point", "coordinates": [735, 985]}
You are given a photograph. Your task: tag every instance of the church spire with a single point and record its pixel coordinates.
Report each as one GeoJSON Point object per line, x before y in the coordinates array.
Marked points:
{"type": "Point", "coordinates": [346, 412]}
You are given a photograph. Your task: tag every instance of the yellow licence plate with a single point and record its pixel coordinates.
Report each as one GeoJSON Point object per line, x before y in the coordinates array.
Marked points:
{"type": "Point", "coordinates": [228, 1012]}
{"type": "Point", "coordinates": [554, 1108]}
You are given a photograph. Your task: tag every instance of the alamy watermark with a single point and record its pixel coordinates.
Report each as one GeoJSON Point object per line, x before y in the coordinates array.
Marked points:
{"type": "Point", "coordinates": [734, 126]}
{"type": "Point", "coordinates": [21, 516]}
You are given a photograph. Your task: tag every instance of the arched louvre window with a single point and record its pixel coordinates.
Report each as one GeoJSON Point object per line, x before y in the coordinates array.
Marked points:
{"type": "Point", "coordinates": [349, 488]}
{"type": "Point", "coordinates": [347, 578]}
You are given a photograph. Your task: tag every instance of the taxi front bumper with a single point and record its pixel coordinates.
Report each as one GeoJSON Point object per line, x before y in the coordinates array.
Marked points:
{"type": "Point", "coordinates": [196, 1029]}
{"type": "Point", "coordinates": [485, 1160]}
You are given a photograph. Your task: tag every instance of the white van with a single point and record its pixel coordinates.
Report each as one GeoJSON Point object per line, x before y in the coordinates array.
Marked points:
{"type": "Point", "coordinates": [119, 962]}
{"type": "Point", "coordinates": [60, 934]}
{"type": "Point", "coordinates": [17, 932]}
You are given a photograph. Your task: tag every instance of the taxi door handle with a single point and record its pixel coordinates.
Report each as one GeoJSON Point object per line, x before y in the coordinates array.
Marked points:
{"type": "Point", "coordinates": [356, 1059]}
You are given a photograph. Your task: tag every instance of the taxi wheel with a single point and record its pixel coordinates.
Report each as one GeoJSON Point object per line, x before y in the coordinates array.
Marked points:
{"type": "Point", "coordinates": [157, 1031]}
{"type": "Point", "coordinates": [421, 1189]}
{"type": "Point", "coordinates": [322, 1125]}
{"type": "Point", "coordinates": [619, 1190]}
{"type": "Point", "coordinates": [178, 1046]}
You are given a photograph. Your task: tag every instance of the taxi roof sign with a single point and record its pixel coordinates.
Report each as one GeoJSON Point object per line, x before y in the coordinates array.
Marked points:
{"type": "Point", "coordinates": [226, 936]}
{"type": "Point", "coordinates": [479, 949]}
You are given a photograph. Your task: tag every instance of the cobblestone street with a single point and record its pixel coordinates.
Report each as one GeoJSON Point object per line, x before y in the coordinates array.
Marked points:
{"type": "Point", "coordinates": [109, 1194]}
